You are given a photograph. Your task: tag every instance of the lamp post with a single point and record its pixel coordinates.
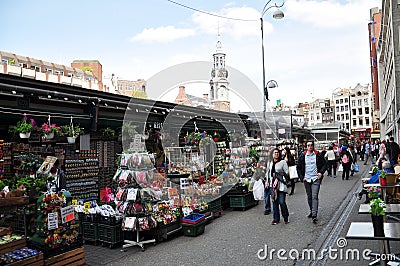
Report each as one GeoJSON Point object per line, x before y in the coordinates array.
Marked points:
{"type": "Point", "coordinates": [278, 14]}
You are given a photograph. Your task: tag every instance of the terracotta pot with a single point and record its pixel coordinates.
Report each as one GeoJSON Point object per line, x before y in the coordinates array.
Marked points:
{"type": "Point", "coordinates": [25, 135]}
{"type": "Point", "coordinates": [377, 222]}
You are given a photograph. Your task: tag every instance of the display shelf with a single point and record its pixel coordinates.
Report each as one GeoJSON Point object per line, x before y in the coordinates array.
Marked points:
{"type": "Point", "coordinates": [13, 245]}
{"type": "Point", "coordinates": [73, 257]}
{"type": "Point", "coordinates": [31, 261]}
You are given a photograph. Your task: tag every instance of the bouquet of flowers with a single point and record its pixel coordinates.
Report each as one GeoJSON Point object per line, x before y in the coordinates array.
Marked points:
{"type": "Point", "coordinates": [194, 138]}
{"type": "Point", "coordinates": [378, 207]}
{"type": "Point", "coordinates": [373, 192]}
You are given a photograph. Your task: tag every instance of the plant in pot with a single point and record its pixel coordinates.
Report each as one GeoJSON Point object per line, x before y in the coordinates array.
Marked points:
{"type": "Point", "coordinates": [71, 132]}
{"type": "Point", "coordinates": [48, 130]}
{"type": "Point", "coordinates": [25, 126]}
{"type": "Point", "coordinates": [382, 178]}
{"type": "Point", "coordinates": [377, 210]}
{"type": "Point", "coordinates": [107, 133]}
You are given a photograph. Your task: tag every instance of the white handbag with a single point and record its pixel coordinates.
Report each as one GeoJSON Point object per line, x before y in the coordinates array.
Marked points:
{"type": "Point", "coordinates": [293, 172]}
{"type": "Point", "coordinates": [258, 190]}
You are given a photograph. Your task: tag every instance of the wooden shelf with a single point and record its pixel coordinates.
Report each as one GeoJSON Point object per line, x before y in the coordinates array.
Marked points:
{"type": "Point", "coordinates": [16, 201]}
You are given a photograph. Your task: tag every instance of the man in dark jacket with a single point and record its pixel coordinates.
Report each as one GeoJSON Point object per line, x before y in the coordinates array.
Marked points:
{"type": "Point", "coordinates": [311, 166]}
{"type": "Point", "coordinates": [393, 150]}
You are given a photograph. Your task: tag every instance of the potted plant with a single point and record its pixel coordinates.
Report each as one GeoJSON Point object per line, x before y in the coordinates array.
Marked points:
{"type": "Point", "coordinates": [107, 133]}
{"type": "Point", "coordinates": [377, 210]}
{"type": "Point", "coordinates": [25, 126]}
{"type": "Point", "coordinates": [49, 130]}
{"type": "Point", "coordinates": [71, 132]}
{"type": "Point", "coordinates": [373, 192]}
{"type": "Point", "coordinates": [382, 178]}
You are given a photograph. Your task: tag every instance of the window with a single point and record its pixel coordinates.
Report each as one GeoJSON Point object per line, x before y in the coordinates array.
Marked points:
{"type": "Point", "coordinates": [347, 117]}
{"type": "Point", "coordinates": [49, 70]}
{"type": "Point", "coordinates": [23, 65]}
{"type": "Point", "coordinates": [359, 102]}
{"type": "Point", "coordinates": [354, 111]}
{"type": "Point", "coordinates": [70, 74]}
{"type": "Point", "coordinates": [346, 108]}
{"type": "Point", "coordinates": [354, 122]}
{"type": "Point", "coordinates": [367, 121]}
{"type": "Point", "coordinates": [341, 108]}
{"type": "Point", "coordinates": [353, 102]}
{"type": "Point", "coordinates": [128, 88]}
{"type": "Point", "coordinates": [59, 72]}
{"type": "Point", "coordinates": [119, 87]}
{"type": "Point", "coordinates": [366, 110]}
{"type": "Point", "coordinates": [346, 100]}
{"type": "Point", "coordinates": [359, 111]}
{"type": "Point", "coordinates": [337, 101]}
{"type": "Point", "coordinates": [337, 108]}
{"type": "Point", "coordinates": [338, 117]}
{"type": "Point", "coordinates": [366, 101]}
{"type": "Point", "coordinates": [317, 117]}
{"type": "Point", "coordinates": [4, 61]}
{"type": "Point", "coordinates": [342, 116]}
{"type": "Point", "coordinates": [360, 121]}
{"type": "Point", "coordinates": [36, 68]}
{"type": "Point", "coordinates": [341, 100]}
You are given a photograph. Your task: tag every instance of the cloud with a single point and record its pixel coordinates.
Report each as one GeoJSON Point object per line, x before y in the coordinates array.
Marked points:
{"type": "Point", "coordinates": [162, 34]}
{"type": "Point", "coordinates": [235, 28]}
{"type": "Point", "coordinates": [329, 14]}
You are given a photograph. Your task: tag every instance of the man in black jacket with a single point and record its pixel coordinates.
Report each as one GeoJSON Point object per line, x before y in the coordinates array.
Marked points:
{"type": "Point", "coordinates": [310, 169]}
{"type": "Point", "coordinates": [393, 150]}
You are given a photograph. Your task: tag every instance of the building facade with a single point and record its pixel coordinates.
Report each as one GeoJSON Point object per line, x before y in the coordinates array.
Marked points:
{"type": "Point", "coordinates": [342, 106]}
{"type": "Point", "coordinates": [361, 105]}
{"type": "Point", "coordinates": [374, 31]}
{"type": "Point", "coordinates": [389, 69]}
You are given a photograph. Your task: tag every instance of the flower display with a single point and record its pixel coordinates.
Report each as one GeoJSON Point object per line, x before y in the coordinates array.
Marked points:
{"type": "Point", "coordinates": [71, 131]}
{"type": "Point", "coordinates": [373, 192]}
{"type": "Point", "coordinates": [194, 138]}
{"type": "Point", "coordinates": [25, 125]}
{"type": "Point", "coordinates": [47, 128]}
{"type": "Point", "coordinates": [378, 207]}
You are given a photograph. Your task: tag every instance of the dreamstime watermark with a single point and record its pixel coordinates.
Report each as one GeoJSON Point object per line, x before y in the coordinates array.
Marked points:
{"type": "Point", "coordinates": [339, 253]}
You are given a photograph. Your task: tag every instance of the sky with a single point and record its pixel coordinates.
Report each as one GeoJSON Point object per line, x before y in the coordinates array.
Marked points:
{"type": "Point", "coordinates": [318, 46]}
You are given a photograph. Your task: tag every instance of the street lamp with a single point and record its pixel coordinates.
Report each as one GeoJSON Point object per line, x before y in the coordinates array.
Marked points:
{"type": "Point", "coordinates": [278, 14]}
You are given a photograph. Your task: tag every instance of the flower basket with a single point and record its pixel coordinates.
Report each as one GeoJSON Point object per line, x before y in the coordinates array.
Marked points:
{"type": "Point", "coordinates": [71, 140]}
{"type": "Point", "coordinates": [25, 135]}
{"type": "Point", "coordinates": [49, 135]}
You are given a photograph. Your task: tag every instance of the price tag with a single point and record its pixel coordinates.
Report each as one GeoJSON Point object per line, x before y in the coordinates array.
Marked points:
{"type": "Point", "coordinates": [74, 202]}
{"type": "Point", "coordinates": [86, 207]}
{"type": "Point", "coordinates": [67, 214]}
{"type": "Point", "coordinates": [52, 221]}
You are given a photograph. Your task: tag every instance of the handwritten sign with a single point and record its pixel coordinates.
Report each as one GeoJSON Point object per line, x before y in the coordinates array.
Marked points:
{"type": "Point", "coordinates": [67, 214]}
{"type": "Point", "coordinates": [52, 221]}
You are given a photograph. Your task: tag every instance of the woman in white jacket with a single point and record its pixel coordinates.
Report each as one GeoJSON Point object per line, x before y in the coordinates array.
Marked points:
{"type": "Point", "coordinates": [277, 170]}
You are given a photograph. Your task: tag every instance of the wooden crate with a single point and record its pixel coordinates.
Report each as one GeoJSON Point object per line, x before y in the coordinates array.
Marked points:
{"type": "Point", "coordinates": [11, 246]}
{"type": "Point", "coordinates": [74, 257]}
{"type": "Point", "coordinates": [31, 261]}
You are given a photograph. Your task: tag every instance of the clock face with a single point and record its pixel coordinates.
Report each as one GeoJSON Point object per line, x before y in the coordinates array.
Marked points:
{"type": "Point", "coordinates": [221, 93]}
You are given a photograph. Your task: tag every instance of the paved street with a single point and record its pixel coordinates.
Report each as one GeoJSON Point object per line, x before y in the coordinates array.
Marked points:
{"type": "Point", "coordinates": [237, 236]}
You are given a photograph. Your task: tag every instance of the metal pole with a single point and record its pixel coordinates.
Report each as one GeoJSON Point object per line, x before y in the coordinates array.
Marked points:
{"type": "Point", "coordinates": [263, 65]}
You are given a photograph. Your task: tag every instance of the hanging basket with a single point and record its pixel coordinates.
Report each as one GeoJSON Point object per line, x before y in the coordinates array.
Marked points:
{"type": "Point", "coordinates": [377, 222]}
{"type": "Point", "coordinates": [25, 135]}
{"type": "Point", "coordinates": [71, 140]}
{"type": "Point", "coordinates": [49, 136]}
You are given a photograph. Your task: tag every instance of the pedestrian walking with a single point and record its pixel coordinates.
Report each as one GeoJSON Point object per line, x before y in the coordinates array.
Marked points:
{"type": "Point", "coordinates": [393, 150]}
{"type": "Point", "coordinates": [277, 180]}
{"type": "Point", "coordinates": [289, 158]}
{"type": "Point", "coordinates": [346, 161]}
{"type": "Point", "coordinates": [367, 152]}
{"type": "Point", "coordinates": [310, 168]}
{"type": "Point", "coordinates": [330, 156]}
{"type": "Point", "coordinates": [353, 155]}
{"type": "Point", "coordinates": [382, 150]}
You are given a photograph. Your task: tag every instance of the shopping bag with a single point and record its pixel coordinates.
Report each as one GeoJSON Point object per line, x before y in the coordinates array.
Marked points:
{"type": "Point", "coordinates": [340, 168]}
{"type": "Point", "coordinates": [293, 172]}
{"type": "Point", "coordinates": [258, 190]}
{"type": "Point", "coordinates": [352, 167]}
{"type": "Point", "coordinates": [356, 168]}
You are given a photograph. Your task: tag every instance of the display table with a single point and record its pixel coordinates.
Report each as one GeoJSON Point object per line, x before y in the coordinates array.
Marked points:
{"type": "Point", "coordinates": [390, 208]}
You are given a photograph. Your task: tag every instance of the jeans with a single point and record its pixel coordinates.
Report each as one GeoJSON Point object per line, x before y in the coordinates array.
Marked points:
{"type": "Point", "coordinates": [332, 164]}
{"type": "Point", "coordinates": [267, 193]}
{"type": "Point", "coordinates": [346, 170]}
{"type": "Point", "coordinates": [280, 201]}
{"type": "Point", "coordinates": [312, 191]}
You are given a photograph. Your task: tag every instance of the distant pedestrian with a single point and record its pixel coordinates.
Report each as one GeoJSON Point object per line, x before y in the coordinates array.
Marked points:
{"type": "Point", "coordinates": [289, 158]}
{"type": "Point", "coordinates": [330, 156]}
{"type": "Point", "coordinates": [393, 151]}
{"type": "Point", "coordinates": [382, 150]}
{"type": "Point", "coordinates": [310, 168]}
{"type": "Point", "coordinates": [367, 152]}
{"type": "Point", "coordinates": [277, 172]}
{"type": "Point", "coordinates": [353, 155]}
{"type": "Point", "coordinates": [346, 161]}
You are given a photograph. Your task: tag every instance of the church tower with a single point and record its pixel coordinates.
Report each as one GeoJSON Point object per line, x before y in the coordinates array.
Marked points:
{"type": "Point", "coordinates": [219, 91]}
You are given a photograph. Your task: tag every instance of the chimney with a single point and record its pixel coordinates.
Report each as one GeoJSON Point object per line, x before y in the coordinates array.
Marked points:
{"type": "Point", "coordinates": [205, 96]}
{"type": "Point", "coordinates": [182, 90]}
